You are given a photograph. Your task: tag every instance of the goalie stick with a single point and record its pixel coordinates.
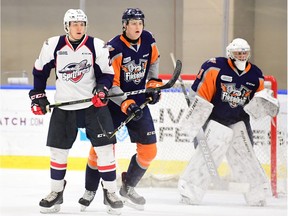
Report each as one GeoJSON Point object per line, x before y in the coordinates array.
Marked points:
{"type": "Point", "coordinates": [205, 150]}
{"type": "Point", "coordinates": [167, 85]}
{"type": "Point", "coordinates": [181, 82]}
{"type": "Point", "coordinates": [127, 120]}
{"type": "Point", "coordinates": [211, 166]}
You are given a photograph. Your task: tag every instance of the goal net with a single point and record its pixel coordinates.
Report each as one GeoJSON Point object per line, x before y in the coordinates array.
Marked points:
{"type": "Point", "coordinates": [175, 151]}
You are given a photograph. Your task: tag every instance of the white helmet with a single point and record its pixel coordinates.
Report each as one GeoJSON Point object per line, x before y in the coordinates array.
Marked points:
{"type": "Point", "coordinates": [239, 51]}
{"type": "Point", "coordinates": [74, 15]}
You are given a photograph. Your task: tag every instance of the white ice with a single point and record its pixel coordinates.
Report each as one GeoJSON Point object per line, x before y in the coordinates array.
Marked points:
{"type": "Point", "coordinates": [21, 191]}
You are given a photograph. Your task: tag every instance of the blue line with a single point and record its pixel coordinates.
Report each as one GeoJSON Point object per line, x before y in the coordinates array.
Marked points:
{"type": "Point", "coordinates": [282, 91]}
{"type": "Point", "coordinates": [23, 87]}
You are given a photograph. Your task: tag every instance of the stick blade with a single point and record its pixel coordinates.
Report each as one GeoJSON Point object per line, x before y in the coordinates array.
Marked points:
{"type": "Point", "coordinates": [175, 76]}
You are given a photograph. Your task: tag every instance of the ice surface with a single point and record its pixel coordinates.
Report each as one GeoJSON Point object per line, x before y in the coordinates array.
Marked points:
{"type": "Point", "coordinates": [21, 191]}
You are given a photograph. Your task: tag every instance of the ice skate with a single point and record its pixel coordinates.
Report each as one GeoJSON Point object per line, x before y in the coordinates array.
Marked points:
{"type": "Point", "coordinates": [86, 199]}
{"type": "Point", "coordinates": [113, 202]}
{"type": "Point", "coordinates": [130, 197]}
{"type": "Point", "coordinates": [51, 203]}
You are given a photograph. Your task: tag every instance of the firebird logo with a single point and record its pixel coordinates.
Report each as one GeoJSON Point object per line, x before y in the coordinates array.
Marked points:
{"type": "Point", "coordinates": [234, 96]}
{"type": "Point", "coordinates": [134, 72]}
{"type": "Point", "coordinates": [75, 71]}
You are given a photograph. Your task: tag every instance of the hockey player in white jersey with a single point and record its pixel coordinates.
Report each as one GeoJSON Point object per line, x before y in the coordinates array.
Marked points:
{"type": "Point", "coordinates": [225, 90]}
{"type": "Point", "coordinates": [83, 70]}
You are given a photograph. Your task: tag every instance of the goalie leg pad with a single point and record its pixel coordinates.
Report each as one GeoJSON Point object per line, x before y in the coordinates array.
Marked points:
{"type": "Point", "coordinates": [257, 196]}
{"type": "Point", "coordinates": [245, 166]}
{"type": "Point", "coordinates": [196, 178]}
{"type": "Point", "coordinates": [190, 194]}
{"type": "Point", "coordinates": [196, 116]}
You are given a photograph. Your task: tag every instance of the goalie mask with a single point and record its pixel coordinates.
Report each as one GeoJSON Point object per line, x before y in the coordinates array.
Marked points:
{"type": "Point", "coordinates": [75, 15]}
{"type": "Point", "coordinates": [239, 52]}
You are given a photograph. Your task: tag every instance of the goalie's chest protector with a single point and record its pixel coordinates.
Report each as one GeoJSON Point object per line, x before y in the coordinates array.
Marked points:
{"type": "Point", "coordinates": [231, 90]}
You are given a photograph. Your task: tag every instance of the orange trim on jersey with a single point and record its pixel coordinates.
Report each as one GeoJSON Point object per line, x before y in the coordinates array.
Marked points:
{"type": "Point", "coordinates": [124, 41]}
{"type": "Point", "coordinates": [261, 85]}
{"type": "Point", "coordinates": [57, 165]}
{"type": "Point", "coordinates": [248, 67]}
{"type": "Point", "coordinates": [125, 104]}
{"type": "Point", "coordinates": [155, 53]}
{"type": "Point", "coordinates": [127, 43]}
{"type": "Point", "coordinates": [116, 64]}
{"type": "Point", "coordinates": [146, 153]}
{"type": "Point", "coordinates": [207, 87]}
{"type": "Point", "coordinates": [231, 64]}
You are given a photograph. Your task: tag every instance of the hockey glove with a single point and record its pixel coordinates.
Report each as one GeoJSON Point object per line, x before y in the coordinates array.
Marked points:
{"type": "Point", "coordinates": [100, 92]}
{"type": "Point", "coordinates": [39, 102]}
{"type": "Point", "coordinates": [155, 95]}
{"type": "Point", "coordinates": [129, 107]}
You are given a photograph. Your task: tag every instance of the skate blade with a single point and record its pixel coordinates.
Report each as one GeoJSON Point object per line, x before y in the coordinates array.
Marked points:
{"type": "Point", "coordinates": [130, 204]}
{"type": "Point", "coordinates": [53, 209]}
{"type": "Point", "coordinates": [113, 211]}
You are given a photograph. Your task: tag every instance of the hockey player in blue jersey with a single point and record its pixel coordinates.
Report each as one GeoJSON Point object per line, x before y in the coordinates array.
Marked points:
{"type": "Point", "coordinates": [83, 71]}
{"type": "Point", "coordinates": [135, 59]}
{"type": "Point", "coordinates": [226, 92]}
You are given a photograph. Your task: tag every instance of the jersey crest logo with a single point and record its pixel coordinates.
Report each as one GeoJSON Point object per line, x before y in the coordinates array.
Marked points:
{"type": "Point", "coordinates": [235, 97]}
{"type": "Point", "coordinates": [133, 72]}
{"type": "Point", "coordinates": [75, 71]}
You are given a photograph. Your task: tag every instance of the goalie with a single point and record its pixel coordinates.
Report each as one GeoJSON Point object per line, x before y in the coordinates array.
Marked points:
{"type": "Point", "coordinates": [226, 94]}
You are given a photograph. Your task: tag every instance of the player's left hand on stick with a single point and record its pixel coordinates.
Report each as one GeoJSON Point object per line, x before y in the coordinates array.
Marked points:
{"type": "Point", "coordinates": [100, 92]}
{"type": "Point", "coordinates": [155, 95]}
{"type": "Point", "coordinates": [39, 102]}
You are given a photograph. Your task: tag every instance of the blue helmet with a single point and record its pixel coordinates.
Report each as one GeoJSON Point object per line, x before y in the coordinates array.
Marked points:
{"type": "Point", "coordinates": [132, 13]}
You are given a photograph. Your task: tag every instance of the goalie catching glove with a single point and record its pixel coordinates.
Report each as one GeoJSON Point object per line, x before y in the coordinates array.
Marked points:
{"type": "Point", "coordinates": [100, 92]}
{"type": "Point", "coordinates": [155, 95]}
{"type": "Point", "coordinates": [129, 107]}
{"type": "Point", "coordinates": [39, 102]}
{"type": "Point", "coordinates": [262, 104]}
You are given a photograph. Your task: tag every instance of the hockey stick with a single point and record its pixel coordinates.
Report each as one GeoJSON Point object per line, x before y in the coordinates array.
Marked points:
{"type": "Point", "coordinates": [127, 120]}
{"type": "Point", "coordinates": [210, 163]}
{"type": "Point", "coordinates": [167, 85]}
{"type": "Point", "coordinates": [181, 82]}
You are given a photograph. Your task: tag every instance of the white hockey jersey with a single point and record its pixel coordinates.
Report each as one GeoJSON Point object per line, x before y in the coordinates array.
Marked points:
{"type": "Point", "coordinates": [77, 71]}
